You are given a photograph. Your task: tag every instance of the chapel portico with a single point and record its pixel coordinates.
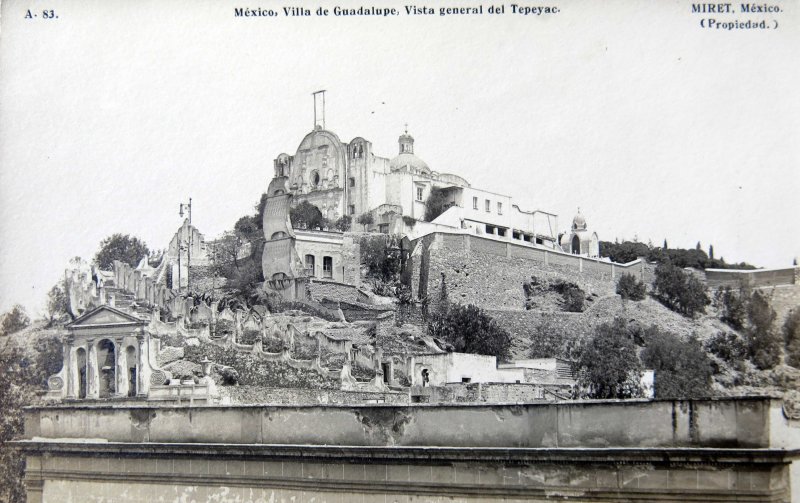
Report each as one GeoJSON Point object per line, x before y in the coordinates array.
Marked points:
{"type": "Point", "coordinates": [106, 355]}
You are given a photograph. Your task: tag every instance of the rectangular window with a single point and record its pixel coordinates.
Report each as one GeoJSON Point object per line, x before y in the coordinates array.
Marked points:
{"type": "Point", "coordinates": [499, 208]}
{"type": "Point", "coordinates": [474, 203]}
{"type": "Point", "coordinates": [327, 267]}
{"type": "Point", "coordinates": [488, 206]}
{"type": "Point", "coordinates": [310, 265]}
{"type": "Point", "coordinates": [352, 209]}
{"type": "Point", "coordinates": [466, 379]}
{"type": "Point", "coordinates": [419, 193]}
{"type": "Point", "coordinates": [352, 182]}
{"type": "Point", "coordinates": [383, 228]}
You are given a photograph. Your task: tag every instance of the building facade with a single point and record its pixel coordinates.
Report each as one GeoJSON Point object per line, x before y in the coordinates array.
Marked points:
{"type": "Point", "coordinates": [349, 179]}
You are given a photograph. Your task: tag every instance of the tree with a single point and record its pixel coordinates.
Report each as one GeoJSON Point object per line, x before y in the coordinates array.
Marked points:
{"type": "Point", "coordinates": [366, 219]}
{"type": "Point", "coordinates": [679, 291]}
{"type": "Point", "coordinates": [698, 247]}
{"type": "Point", "coordinates": [14, 320]}
{"type": "Point", "coordinates": [665, 247]}
{"type": "Point", "coordinates": [307, 216]}
{"type": "Point", "coordinates": [682, 369]}
{"type": "Point", "coordinates": [382, 260]}
{"type": "Point", "coordinates": [765, 343]}
{"type": "Point", "coordinates": [122, 247]}
{"type": "Point", "coordinates": [470, 330]}
{"type": "Point", "coordinates": [57, 309]}
{"type": "Point", "coordinates": [711, 252]}
{"type": "Point", "coordinates": [436, 204]}
{"type": "Point", "coordinates": [344, 223]}
{"type": "Point", "coordinates": [791, 337]}
{"type": "Point", "coordinates": [628, 287]}
{"type": "Point", "coordinates": [608, 366]}
{"type": "Point", "coordinates": [732, 305]}
{"type": "Point", "coordinates": [15, 393]}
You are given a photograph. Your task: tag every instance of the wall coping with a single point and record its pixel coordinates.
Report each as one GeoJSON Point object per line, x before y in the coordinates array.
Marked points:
{"type": "Point", "coordinates": [754, 271]}
{"type": "Point", "coordinates": [533, 247]}
{"type": "Point", "coordinates": [543, 403]}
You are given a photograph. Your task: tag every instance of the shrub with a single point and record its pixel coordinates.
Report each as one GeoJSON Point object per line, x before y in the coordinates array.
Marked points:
{"type": "Point", "coordinates": [608, 366]}
{"type": "Point", "coordinates": [732, 306]}
{"type": "Point", "coordinates": [250, 336]}
{"type": "Point", "coordinates": [344, 223]}
{"type": "Point", "coordinates": [382, 260]}
{"type": "Point", "coordinates": [470, 330]}
{"type": "Point", "coordinates": [679, 291]}
{"type": "Point", "coordinates": [682, 369]}
{"type": "Point", "coordinates": [307, 216]}
{"type": "Point", "coordinates": [791, 337]}
{"type": "Point", "coordinates": [764, 342]}
{"type": "Point", "coordinates": [222, 328]}
{"type": "Point", "coordinates": [728, 346]}
{"type": "Point", "coordinates": [409, 221]}
{"type": "Point", "coordinates": [436, 204]}
{"type": "Point", "coordinates": [229, 376]}
{"type": "Point", "coordinates": [574, 300]}
{"type": "Point", "coordinates": [572, 296]}
{"type": "Point", "coordinates": [628, 287]}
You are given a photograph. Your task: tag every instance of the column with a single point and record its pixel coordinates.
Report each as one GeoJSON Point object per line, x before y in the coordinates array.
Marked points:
{"type": "Point", "coordinates": [92, 372]}
{"type": "Point", "coordinates": [143, 368]}
{"type": "Point", "coordinates": [72, 374]}
{"type": "Point", "coordinates": [121, 365]}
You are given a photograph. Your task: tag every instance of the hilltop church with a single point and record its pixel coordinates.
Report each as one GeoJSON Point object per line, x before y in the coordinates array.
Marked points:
{"type": "Point", "coordinates": [347, 179]}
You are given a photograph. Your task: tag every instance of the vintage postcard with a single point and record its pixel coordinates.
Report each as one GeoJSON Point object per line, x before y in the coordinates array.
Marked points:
{"type": "Point", "coordinates": [398, 251]}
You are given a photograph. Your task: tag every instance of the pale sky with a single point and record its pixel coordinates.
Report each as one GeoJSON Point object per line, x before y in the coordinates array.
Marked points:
{"type": "Point", "coordinates": [117, 111]}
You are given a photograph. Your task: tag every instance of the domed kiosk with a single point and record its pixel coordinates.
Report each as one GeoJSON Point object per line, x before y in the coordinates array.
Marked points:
{"type": "Point", "coordinates": [580, 241]}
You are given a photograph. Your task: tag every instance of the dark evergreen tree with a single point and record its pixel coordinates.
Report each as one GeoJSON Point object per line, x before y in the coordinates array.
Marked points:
{"type": "Point", "coordinates": [123, 247]}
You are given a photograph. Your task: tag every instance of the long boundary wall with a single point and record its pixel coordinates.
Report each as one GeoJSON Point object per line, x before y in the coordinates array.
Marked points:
{"type": "Point", "coordinates": [756, 278]}
{"type": "Point", "coordinates": [707, 450]}
{"type": "Point", "coordinates": [490, 272]}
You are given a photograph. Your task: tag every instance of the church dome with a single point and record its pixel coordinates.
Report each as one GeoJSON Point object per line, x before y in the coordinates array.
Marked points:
{"type": "Point", "coordinates": [579, 223]}
{"type": "Point", "coordinates": [406, 156]}
{"type": "Point", "coordinates": [410, 160]}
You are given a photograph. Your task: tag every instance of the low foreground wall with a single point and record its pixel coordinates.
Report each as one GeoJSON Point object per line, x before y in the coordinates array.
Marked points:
{"type": "Point", "coordinates": [710, 450]}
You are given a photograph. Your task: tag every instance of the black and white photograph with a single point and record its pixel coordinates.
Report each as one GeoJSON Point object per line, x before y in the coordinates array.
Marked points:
{"type": "Point", "coordinates": [375, 251]}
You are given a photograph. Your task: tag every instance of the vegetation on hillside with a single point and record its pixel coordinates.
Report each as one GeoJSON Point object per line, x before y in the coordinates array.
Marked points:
{"type": "Point", "coordinates": [573, 298]}
{"type": "Point", "coordinates": [680, 291]}
{"type": "Point", "coordinates": [791, 338]}
{"type": "Point", "coordinates": [682, 368]}
{"type": "Point", "coordinates": [628, 251]}
{"type": "Point", "coordinates": [608, 365]}
{"type": "Point", "coordinates": [749, 311]}
{"type": "Point", "coordinates": [630, 288]}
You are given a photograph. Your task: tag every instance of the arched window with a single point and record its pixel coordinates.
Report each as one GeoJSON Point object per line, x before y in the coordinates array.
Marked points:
{"type": "Point", "coordinates": [278, 235]}
{"type": "Point", "coordinates": [315, 178]}
{"type": "Point", "coordinates": [310, 265]}
{"type": "Point", "coordinates": [576, 245]}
